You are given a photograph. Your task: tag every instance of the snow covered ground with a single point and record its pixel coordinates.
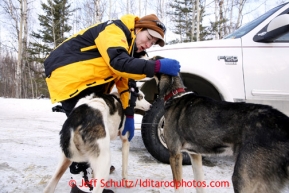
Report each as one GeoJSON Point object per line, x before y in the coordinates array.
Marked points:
{"type": "Point", "coordinates": [29, 144]}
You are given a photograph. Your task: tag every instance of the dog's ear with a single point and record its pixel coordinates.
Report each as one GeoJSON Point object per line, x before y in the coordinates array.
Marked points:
{"type": "Point", "coordinates": [165, 84]}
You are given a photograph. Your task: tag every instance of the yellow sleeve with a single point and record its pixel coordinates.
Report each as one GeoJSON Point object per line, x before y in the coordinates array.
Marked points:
{"type": "Point", "coordinates": [112, 37]}
{"type": "Point", "coordinates": [122, 87]}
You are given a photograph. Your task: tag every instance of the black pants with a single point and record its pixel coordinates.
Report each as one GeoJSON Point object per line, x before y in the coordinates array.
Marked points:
{"type": "Point", "coordinates": [69, 104]}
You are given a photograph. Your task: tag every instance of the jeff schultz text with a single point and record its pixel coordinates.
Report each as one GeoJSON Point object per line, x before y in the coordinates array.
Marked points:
{"type": "Point", "coordinates": [153, 183]}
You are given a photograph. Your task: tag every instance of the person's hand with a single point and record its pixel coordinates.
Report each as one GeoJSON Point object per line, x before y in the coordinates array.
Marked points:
{"type": "Point", "coordinates": [129, 127]}
{"type": "Point", "coordinates": [169, 66]}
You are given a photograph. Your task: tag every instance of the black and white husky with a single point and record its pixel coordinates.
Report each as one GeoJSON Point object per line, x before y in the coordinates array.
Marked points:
{"type": "Point", "coordinates": [86, 135]}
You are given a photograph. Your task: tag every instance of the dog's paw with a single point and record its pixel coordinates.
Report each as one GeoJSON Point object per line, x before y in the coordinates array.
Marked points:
{"type": "Point", "coordinates": [207, 162]}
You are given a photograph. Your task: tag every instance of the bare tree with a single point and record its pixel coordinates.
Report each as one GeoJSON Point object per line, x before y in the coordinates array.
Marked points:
{"type": "Point", "coordinates": [128, 6]}
{"type": "Point", "coordinates": [160, 9]}
{"type": "Point", "coordinates": [225, 16]}
{"type": "Point", "coordinates": [145, 7]}
{"type": "Point", "coordinates": [240, 6]}
{"type": "Point", "coordinates": [193, 20]}
{"type": "Point", "coordinates": [89, 12]}
{"type": "Point", "coordinates": [25, 41]}
{"type": "Point", "coordinates": [230, 9]}
{"type": "Point", "coordinates": [109, 9]}
{"type": "Point", "coordinates": [216, 16]}
{"type": "Point", "coordinates": [221, 18]}
{"type": "Point", "coordinates": [20, 51]}
{"type": "Point", "coordinates": [17, 13]}
{"type": "Point", "coordinates": [198, 20]}
{"type": "Point", "coordinates": [8, 65]}
{"type": "Point", "coordinates": [97, 11]}
{"type": "Point", "coordinates": [139, 8]}
{"type": "Point", "coordinates": [142, 8]}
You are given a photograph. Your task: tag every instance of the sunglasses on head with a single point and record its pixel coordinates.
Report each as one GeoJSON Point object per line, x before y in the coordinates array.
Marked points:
{"type": "Point", "coordinates": [160, 25]}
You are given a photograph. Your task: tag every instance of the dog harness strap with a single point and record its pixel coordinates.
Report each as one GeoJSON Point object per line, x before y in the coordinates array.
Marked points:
{"type": "Point", "coordinates": [122, 113]}
{"type": "Point", "coordinates": [133, 97]}
{"type": "Point", "coordinates": [174, 92]}
{"type": "Point", "coordinates": [124, 91]}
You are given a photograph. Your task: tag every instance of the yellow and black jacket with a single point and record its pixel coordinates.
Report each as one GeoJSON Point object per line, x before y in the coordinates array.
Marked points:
{"type": "Point", "coordinates": [94, 56]}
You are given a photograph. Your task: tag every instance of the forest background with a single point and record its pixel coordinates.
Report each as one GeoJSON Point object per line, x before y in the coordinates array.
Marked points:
{"type": "Point", "coordinates": [31, 29]}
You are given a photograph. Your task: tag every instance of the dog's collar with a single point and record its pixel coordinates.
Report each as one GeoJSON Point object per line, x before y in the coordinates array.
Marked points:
{"type": "Point", "coordinates": [173, 93]}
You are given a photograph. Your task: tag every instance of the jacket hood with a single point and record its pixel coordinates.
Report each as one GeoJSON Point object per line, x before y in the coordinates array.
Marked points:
{"type": "Point", "coordinates": [129, 21]}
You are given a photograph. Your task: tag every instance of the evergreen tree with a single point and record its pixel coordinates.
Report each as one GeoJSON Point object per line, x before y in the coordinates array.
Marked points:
{"type": "Point", "coordinates": [182, 16]}
{"type": "Point", "coordinates": [54, 26]}
{"type": "Point", "coordinates": [205, 34]}
{"type": "Point", "coordinates": [217, 28]}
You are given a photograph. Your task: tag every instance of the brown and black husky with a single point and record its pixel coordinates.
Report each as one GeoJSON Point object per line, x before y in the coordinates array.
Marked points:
{"type": "Point", "coordinates": [258, 135]}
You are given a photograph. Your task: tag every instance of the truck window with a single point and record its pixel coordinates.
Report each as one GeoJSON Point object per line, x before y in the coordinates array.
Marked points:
{"type": "Point", "coordinates": [251, 25]}
{"type": "Point", "coordinates": [283, 38]}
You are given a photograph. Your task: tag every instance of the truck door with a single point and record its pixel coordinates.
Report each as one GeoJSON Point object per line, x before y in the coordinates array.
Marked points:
{"type": "Point", "coordinates": [266, 72]}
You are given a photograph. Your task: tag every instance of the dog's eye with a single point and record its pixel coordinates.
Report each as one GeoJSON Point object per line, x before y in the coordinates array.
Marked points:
{"type": "Point", "coordinates": [140, 97]}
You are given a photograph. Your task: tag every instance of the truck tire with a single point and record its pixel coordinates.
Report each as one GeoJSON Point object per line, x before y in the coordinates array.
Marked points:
{"type": "Point", "coordinates": [152, 133]}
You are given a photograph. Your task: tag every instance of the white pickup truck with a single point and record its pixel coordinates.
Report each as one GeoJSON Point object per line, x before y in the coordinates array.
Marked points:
{"type": "Point", "coordinates": [250, 65]}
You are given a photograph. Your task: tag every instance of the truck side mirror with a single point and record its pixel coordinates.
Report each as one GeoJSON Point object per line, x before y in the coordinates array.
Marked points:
{"type": "Point", "coordinates": [276, 28]}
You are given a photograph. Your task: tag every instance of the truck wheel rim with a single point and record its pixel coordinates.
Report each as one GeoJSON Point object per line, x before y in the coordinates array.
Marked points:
{"type": "Point", "coordinates": [161, 131]}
